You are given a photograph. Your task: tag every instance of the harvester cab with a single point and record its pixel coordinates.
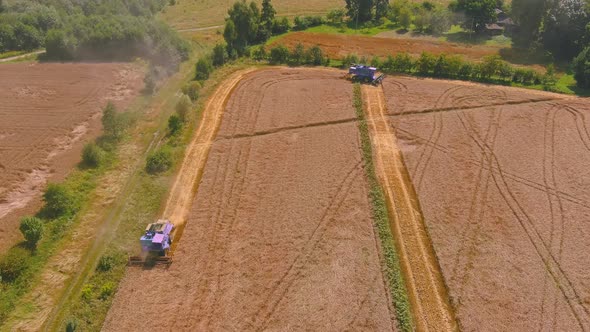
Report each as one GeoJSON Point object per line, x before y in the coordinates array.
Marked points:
{"type": "Point", "coordinates": [365, 74]}
{"type": "Point", "coordinates": [155, 244]}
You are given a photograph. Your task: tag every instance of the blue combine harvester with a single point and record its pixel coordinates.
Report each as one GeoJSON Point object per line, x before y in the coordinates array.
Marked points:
{"type": "Point", "coordinates": [365, 74]}
{"type": "Point", "coordinates": [155, 244]}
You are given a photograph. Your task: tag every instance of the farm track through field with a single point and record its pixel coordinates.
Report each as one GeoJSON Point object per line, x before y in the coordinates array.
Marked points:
{"type": "Point", "coordinates": [430, 303]}
{"type": "Point", "coordinates": [182, 192]}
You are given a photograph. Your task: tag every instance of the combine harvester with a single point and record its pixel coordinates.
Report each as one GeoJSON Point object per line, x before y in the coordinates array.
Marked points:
{"type": "Point", "coordinates": [365, 74]}
{"type": "Point", "coordinates": [155, 244]}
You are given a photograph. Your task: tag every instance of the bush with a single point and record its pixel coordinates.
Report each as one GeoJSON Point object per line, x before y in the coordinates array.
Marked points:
{"type": "Point", "coordinates": [106, 263]}
{"type": "Point", "coordinates": [203, 69]}
{"type": "Point", "coordinates": [466, 70]}
{"type": "Point", "coordinates": [279, 54]}
{"type": "Point", "coordinates": [302, 23]}
{"type": "Point", "coordinates": [149, 82]}
{"type": "Point", "coordinates": [59, 201]}
{"type": "Point", "coordinates": [259, 53]}
{"type": "Point", "coordinates": [298, 55]}
{"type": "Point", "coordinates": [192, 90]}
{"type": "Point", "coordinates": [280, 26]}
{"type": "Point", "coordinates": [159, 161]}
{"type": "Point", "coordinates": [440, 21]}
{"type": "Point", "coordinates": [422, 20]}
{"type": "Point", "coordinates": [174, 124]}
{"type": "Point", "coordinates": [13, 264]}
{"type": "Point", "coordinates": [87, 293]}
{"type": "Point", "coordinates": [336, 16]}
{"type": "Point", "coordinates": [315, 55]}
{"type": "Point", "coordinates": [349, 60]}
{"type": "Point", "coordinates": [219, 56]}
{"type": "Point", "coordinates": [455, 64]}
{"type": "Point", "coordinates": [441, 67]}
{"type": "Point", "coordinates": [505, 71]}
{"type": "Point", "coordinates": [107, 290]}
{"type": "Point", "coordinates": [425, 64]}
{"type": "Point", "coordinates": [549, 78]}
{"type": "Point", "coordinates": [404, 18]}
{"type": "Point", "coordinates": [91, 155]}
{"type": "Point", "coordinates": [388, 64]}
{"type": "Point", "coordinates": [375, 62]}
{"type": "Point", "coordinates": [403, 63]}
{"type": "Point", "coordinates": [71, 326]}
{"type": "Point", "coordinates": [32, 230]}
{"type": "Point", "coordinates": [581, 67]}
{"type": "Point", "coordinates": [490, 66]}
{"type": "Point", "coordinates": [114, 124]}
{"type": "Point", "coordinates": [183, 107]}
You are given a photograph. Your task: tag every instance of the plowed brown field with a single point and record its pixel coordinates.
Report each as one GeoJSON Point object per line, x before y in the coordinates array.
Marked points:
{"type": "Point", "coordinates": [504, 186]}
{"type": "Point", "coordinates": [280, 235]}
{"type": "Point", "coordinates": [47, 112]}
{"type": "Point", "coordinates": [337, 46]}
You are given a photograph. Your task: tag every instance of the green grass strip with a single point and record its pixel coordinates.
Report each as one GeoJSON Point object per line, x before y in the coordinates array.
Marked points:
{"type": "Point", "coordinates": [391, 262]}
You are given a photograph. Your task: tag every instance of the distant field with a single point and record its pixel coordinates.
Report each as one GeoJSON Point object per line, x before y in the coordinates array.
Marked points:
{"type": "Point", "coordinates": [338, 46]}
{"type": "Point", "coordinates": [48, 110]}
{"type": "Point", "coordinates": [187, 14]}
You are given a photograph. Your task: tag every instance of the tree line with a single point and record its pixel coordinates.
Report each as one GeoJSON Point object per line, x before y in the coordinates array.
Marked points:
{"type": "Point", "coordinates": [92, 29]}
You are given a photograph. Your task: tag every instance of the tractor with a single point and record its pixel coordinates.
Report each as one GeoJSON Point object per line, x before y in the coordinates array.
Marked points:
{"type": "Point", "coordinates": [155, 244]}
{"type": "Point", "coordinates": [365, 74]}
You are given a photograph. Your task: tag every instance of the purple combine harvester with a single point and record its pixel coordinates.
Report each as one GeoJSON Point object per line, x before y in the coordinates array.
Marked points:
{"type": "Point", "coordinates": [365, 74]}
{"type": "Point", "coordinates": [155, 244]}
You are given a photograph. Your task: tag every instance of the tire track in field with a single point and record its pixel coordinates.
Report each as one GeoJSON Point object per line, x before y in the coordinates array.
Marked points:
{"type": "Point", "coordinates": [476, 210]}
{"type": "Point", "coordinates": [512, 176]}
{"type": "Point", "coordinates": [221, 229]}
{"type": "Point", "coordinates": [430, 303]}
{"type": "Point", "coordinates": [234, 196]}
{"type": "Point", "coordinates": [468, 242]}
{"type": "Point", "coordinates": [554, 209]}
{"type": "Point", "coordinates": [293, 273]}
{"type": "Point", "coordinates": [422, 163]}
{"type": "Point", "coordinates": [580, 120]}
{"type": "Point", "coordinates": [548, 259]}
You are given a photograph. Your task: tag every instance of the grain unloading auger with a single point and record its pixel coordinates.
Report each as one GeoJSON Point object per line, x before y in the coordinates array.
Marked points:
{"type": "Point", "coordinates": [365, 74]}
{"type": "Point", "coordinates": [155, 244]}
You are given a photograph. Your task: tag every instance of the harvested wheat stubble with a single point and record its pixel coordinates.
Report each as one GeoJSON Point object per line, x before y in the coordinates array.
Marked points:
{"type": "Point", "coordinates": [503, 181]}
{"type": "Point", "coordinates": [280, 235]}
{"type": "Point", "coordinates": [47, 112]}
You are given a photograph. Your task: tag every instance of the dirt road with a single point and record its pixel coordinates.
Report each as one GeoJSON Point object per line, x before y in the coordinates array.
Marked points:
{"type": "Point", "coordinates": [431, 308]}
{"type": "Point", "coordinates": [12, 58]}
{"type": "Point", "coordinates": [183, 191]}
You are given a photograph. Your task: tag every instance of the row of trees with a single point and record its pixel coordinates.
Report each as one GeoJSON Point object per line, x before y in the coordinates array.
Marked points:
{"type": "Point", "coordinates": [298, 56]}
{"type": "Point", "coordinates": [23, 28]}
{"type": "Point", "coordinates": [93, 29]}
{"type": "Point", "coordinates": [491, 69]}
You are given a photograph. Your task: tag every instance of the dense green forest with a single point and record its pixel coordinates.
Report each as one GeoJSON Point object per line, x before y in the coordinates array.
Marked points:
{"type": "Point", "coordinates": [91, 29]}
